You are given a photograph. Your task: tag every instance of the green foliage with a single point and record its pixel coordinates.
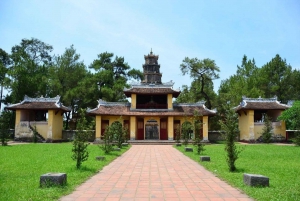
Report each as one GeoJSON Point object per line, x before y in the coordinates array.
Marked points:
{"type": "Point", "coordinates": [80, 143]}
{"type": "Point", "coordinates": [297, 138]}
{"type": "Point", "coordinates": [108, 136]}
{"type": "Point", "coordinates": [229, 126]}
{"type": "Point", "coordinates": [275, 79]}
{"type": "Point", "coordinates": [177, 132]}
{"type": "Point", "coordinates": [186, 131]}
{"type": "Point", "coordinates": [196, 126]}
{"type": "Point", "coordinates": [31, 60]}
{"type": "Point", "coordinates": [4, 126]}
{"type": "Point", "coordinates": [112, 75]}
{"type": "Point", "coordinates": [5, 62]}
{"type": "Point", "coordinates": [291, 116]}
{"type": "Point", "coordinates": [243, 83]}
{"type": "Point", "coordinates": [115, 133]}
{"type": "Point", "coordinates": [66, 76]}
{"type": "Point", "coordinates": [203, 72]}
{"type": "Point", "coordinates": [200, 146]}
{"type": "Point", "coordinates": [35, 134]}
{"type": "Point", "coordinates": [119, 132]}
{"type": "Point", "coordinates": [267, 130]}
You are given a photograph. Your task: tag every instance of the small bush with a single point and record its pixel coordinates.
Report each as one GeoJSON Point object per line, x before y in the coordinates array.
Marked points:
{"type": "Point", "coordinates": [267, 130]}
{"type": "Point", "coordinates": [199, 145]}
{"type": "Point", "coordinates": [107, 145]}
{"type": "Point", "coordinates": [297, 138]}
{"type": "Point", "coordinates": [4, 126]}
{"type": "Point", "coordinates": [35, 134]}
{"type": "Point", "coordinates": [177, 132]}
{"type": "Point", "coordinates": [186, 130]}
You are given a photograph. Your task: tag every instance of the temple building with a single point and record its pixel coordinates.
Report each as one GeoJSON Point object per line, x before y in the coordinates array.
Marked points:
{"type": "Point", "coordinates": [252, 113]}
{"type": "Point", "coordinates": [43, 115]}
{"type": "Point", "coordinates": [151, 114]}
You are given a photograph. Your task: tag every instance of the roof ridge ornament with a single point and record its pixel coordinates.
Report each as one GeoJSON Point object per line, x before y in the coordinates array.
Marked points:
{"type": "Point", "coordinates": [259, 99]}
{"type": "Point", "coordinates": [41, 99]}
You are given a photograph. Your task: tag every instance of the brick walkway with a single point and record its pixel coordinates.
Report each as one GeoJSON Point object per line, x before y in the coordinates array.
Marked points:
{"type": "Point", "coordinates": [155, 172]}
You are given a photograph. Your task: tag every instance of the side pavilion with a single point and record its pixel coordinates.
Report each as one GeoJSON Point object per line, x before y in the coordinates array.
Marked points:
{"type": "Point", "coordinates": [252, 113]}
{"type": "Point", "coordinates": [43, 114]}
{"type": "Point", "coordinates": [151, 115]}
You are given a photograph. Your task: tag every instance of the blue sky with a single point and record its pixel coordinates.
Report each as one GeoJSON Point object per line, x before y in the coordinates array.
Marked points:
{"type": "Point", "coordinates": [220, 30]}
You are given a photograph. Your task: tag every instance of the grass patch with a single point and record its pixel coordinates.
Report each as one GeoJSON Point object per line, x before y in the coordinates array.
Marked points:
{"type": "Point", "coordinates": [22, 165]}
{"type": "Point", "coordinates": [280, 163]}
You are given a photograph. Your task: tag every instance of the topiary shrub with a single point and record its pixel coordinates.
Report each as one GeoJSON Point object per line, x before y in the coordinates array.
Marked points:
{"type": "Point", "coordinates": [267, 130]}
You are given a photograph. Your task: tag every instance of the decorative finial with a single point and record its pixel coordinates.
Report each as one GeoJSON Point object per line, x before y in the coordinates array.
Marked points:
{"type": "Point", "coordinates": [151, 51]}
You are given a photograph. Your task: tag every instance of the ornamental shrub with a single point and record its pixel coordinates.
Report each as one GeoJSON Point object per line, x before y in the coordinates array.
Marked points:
{"type": "Point", "coordinates": [80, 143]}
{"type": "Point", "coordinates": [230, 131]}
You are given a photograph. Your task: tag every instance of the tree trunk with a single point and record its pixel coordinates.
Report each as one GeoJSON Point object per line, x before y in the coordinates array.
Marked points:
{"type": "Point", "coordinates": [208, 103]}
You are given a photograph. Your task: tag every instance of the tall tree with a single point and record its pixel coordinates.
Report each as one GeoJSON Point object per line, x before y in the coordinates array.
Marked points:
{"type": "Point", "coordinates": [243, 83]}
{"type": "Point", "coordinates": [193, 93]}
{"type": "Point", "coordinates": [275, 79]}
{"type": "Point", "coordinates": [202, 71]}
{"type": "Point", "coordinates": [112, 76]}
{"type": "Point", "coordinates": [5, 61]}
{"type": "Point", "coordinates": [66, 74]}
{"type": "Point", "coordinates": [28, 75]}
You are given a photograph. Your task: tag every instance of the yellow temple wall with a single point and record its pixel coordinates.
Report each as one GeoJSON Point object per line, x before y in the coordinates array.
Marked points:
{"type": "Point", "coordinates": [244, 125]}
{"type": "Point", "coordinates": [55, 124]}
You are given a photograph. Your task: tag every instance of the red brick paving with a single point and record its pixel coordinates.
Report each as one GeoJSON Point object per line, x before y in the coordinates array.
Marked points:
{"type": "Point", "coordinates": [155, 172]}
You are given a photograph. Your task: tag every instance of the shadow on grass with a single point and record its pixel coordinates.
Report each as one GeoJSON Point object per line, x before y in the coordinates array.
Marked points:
{"type": "Point", "coordinates": [239, 170]}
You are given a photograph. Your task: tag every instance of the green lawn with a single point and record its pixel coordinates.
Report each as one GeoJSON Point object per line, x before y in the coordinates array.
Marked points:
{"type": "Point", "coordinates": [22, 165]}
{"type": "Point", "coordinates": [280, 163]}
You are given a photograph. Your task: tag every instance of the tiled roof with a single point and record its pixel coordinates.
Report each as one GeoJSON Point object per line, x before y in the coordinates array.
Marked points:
{"type": "Point", "coordinates": [39, 104]}
{"type": "Point", "coordinates": [261, 104]}
{"type": "Point", "coordinates": [151, 89]}
{"type": "Point", "coordinates": [123, 109]}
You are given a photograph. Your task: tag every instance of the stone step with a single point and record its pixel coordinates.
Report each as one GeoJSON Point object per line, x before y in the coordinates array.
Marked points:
{"type": "Point", "coordinates": [153, 142]}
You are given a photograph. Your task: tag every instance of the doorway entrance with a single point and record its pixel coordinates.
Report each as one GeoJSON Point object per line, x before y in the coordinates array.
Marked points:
{"type": "Point", "coordinates": [151, 129]}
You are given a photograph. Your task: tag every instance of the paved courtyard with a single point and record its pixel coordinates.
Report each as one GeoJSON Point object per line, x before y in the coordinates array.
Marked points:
{"type": "Point", "coordinates": [155, 172]}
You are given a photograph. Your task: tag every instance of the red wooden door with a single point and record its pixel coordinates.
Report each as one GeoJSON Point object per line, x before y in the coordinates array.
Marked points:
{"type": "Point", "coordinates": [163, 130]}
{"type": "Point", "coordinates": [104, 124]}
{"type": "Point", "coordinates": [140, 129]}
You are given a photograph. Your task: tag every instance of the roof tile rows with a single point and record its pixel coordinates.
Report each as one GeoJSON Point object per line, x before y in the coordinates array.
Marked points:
{"type": "Point", "coordinates": [125, 110]}
{"type": "Point", "coordinates": [260, 104]}
{"type": "Point", "coordinates": [39, 104]}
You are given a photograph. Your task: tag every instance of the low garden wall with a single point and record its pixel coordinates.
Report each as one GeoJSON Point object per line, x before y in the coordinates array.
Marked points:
{"type": "Point", "coordinates": [214, 136]}
{"type": "Point", "coordinates": [68, 135]}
